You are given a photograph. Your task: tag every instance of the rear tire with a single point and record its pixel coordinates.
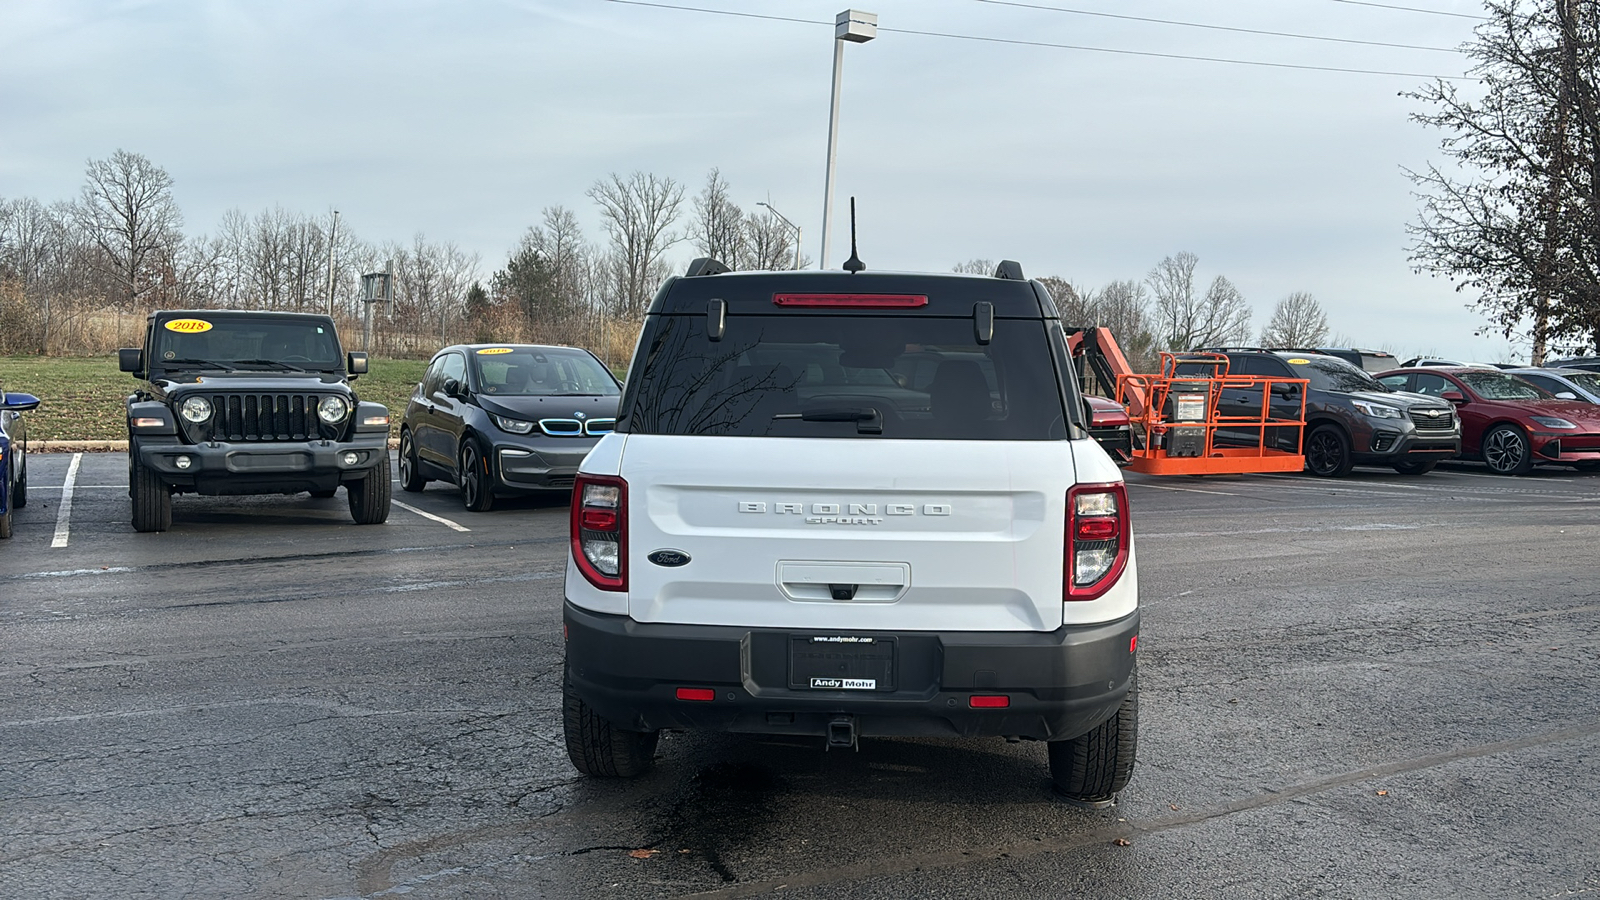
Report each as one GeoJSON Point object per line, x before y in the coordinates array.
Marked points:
{"type": "Point", "coordinates": [1415, 468]}
{"type": "Point", "coordinates": [19, 491]}
{"type": "Point", "coordinates": [601, 749]}
{"type": "Point", "coordinates": [477, 485]}
{"type": "Point", "coordinates": [369, 497]}
{"type": "Point", "coordinates": [1092, 768]}
{"type": "Point", "coordinates": [152, 499]}
{"type": "Point", "coordinates": [411, 480]}
{"type": "Point", "coordinates": [1328, 452]}
{"type": "Point", "coordinates": [1506, 451]}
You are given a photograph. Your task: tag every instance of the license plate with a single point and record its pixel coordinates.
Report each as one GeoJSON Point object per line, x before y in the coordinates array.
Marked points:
{"type": "Point", "coordinates": [841, 662]}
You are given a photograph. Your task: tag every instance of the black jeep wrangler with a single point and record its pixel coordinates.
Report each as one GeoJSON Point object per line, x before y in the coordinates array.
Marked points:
{"type": "Point", "coordinates": [250, 403]}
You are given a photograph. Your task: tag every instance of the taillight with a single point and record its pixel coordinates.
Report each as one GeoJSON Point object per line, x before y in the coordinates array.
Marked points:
{"type": "Point", "coordinates": [600, 530]}
{"type": "Point", "coordinates": [1097, 539]}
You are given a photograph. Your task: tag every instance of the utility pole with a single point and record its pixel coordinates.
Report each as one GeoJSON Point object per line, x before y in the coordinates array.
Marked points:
{"type": "Point", "coordinates": [856, 27]}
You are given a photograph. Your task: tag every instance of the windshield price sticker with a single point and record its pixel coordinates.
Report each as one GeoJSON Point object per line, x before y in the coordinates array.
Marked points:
{"type": "Point", "coordinates": [188, 326]}
{"type": "Point", "coordinates": [493, 351]}
{"type": "Point", "coordinates": [1297, 361]}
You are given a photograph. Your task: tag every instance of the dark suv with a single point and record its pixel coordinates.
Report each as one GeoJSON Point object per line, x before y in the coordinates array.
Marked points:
{"type": "Point", "coordinates": [1351, 419]}
{"type": "Point", "coordinates": [250, 403]}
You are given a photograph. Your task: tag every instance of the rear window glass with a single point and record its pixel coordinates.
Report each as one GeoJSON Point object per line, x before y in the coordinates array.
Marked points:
{"type": "Point", "coordinates": [1495, 386]}
{"type": "Point", "coordinates": [852, 376]}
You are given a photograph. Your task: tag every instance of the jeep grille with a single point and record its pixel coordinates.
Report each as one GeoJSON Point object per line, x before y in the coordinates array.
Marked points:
{"type": "Point", "coordinates": [262, 417]}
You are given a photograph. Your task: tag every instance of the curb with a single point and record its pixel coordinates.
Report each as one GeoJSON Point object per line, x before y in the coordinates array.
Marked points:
{"type": "Point", "coordinates": [105, 446]}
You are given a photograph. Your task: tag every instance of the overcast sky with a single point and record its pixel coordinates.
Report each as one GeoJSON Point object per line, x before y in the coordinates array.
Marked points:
{"type": "Point", "coordinates": [463, 120]}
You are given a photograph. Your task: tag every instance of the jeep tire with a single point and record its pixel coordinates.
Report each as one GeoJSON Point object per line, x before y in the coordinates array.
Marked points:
{"type": "Point", "coordinates": [1092, 768]}
{"type": "Point", "coordinates": [369, 497]}
{"type": "Point", "coordinates": [599, 748]}
{"type": "Point", "coordinates": [151, 498]}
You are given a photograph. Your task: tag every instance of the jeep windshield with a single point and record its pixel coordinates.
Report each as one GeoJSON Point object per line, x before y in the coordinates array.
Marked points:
{"type": "Point", "coordinates": [847, 376]}
{"type": "Point", "coordinates": [232, 342]}
{"type": "Point", "coordinates": [541, 372]}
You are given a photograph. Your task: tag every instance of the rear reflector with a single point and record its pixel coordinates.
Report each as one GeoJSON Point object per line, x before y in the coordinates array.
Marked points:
{"type": "Point", "coordinates": [1133, 644]}
{"type": "Point", "coordinates": [702, 695]}
{"type": "Point", "coordinates": [986, 701]}
{"type": "Point", "coordinates": [859, 301]}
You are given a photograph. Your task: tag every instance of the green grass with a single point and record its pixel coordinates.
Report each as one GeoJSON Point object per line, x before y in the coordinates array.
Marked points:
{"type": "Point", "coordinates": [81, 397]}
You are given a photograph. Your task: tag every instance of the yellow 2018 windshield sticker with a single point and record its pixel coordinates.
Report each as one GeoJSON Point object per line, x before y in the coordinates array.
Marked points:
{"type": "Point", "coordinates": [493, 351]}
{"type": "Point", "coordinates": [1299, 362]}
{"type": "Point", "coordinates": [188, 326]}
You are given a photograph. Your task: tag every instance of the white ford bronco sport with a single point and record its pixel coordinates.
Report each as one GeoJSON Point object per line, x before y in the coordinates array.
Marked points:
{"type": "Point", "coordinates": [846, 504]}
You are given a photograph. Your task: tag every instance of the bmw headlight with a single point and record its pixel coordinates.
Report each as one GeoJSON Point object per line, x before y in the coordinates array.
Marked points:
{"type": "Point", "coordinates": [1376, 410]}
{"type": "Point", "coordinates": [1553, 422]}
{"type": "Point", "coordinates": [196, 409]}
{"type": "Point", "coordinates": [333, 409]}
{"type": "Point", "coordinates": [515, 426]}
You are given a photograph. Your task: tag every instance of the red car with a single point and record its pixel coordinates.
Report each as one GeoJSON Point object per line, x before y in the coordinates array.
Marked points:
{"type": "Point", "coordinates": [1110, 426]}
{"type": "Point", "coordinates": [1509, 423]}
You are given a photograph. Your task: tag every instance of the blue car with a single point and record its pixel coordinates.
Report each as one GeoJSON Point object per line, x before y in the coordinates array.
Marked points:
{"type": "Point", "coordinates": [13, 460]}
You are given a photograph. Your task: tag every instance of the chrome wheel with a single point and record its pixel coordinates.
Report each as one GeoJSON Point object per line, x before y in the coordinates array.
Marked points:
{"type": "Point", "coordinates": [1505, 451]}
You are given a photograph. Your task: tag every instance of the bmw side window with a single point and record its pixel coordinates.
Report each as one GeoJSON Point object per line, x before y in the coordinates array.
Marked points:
{"type": "Point", "coordinates": [454, 367]}
{"type": "Point", "coordinates": [430, 381]}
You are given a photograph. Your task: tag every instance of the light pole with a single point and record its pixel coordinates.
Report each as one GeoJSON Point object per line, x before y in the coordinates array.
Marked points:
{"type": "Point", "coordinates": [785, 220]}
{"type": "Point", "coordinates": [856, 27]}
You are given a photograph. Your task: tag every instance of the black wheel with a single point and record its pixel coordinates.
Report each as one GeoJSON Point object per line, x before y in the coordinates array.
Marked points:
{"type": "Point", "coordinates": [1414, 467]}
{"type": "Point", "coordinates": [1506, 451]}
{"type": "Point", "coordinates": [1094, 767]}
{"type": "Point", "coordinates": [597, 747]}
{"type": "Point", "coordinates": [323, 495]}
{"type": "Point", "coordinates": [1328, 452]}
{"type": "Point", "coordinates": [369, 497]}
{"type": "Point", "coordinates": [152, 499]}
{"type": "Point", "coordinates": [477, 485]}
{"type": "Point", "coordinates": [411, 480]}
{"type": "Point", "coordinates": [19, 491]}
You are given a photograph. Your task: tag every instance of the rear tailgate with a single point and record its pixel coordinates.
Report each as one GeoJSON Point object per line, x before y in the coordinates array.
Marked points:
{"type": "Point", "coordinates": [839, 533]}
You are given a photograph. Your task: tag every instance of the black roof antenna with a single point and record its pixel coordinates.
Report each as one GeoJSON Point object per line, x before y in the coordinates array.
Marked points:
{"type": "Point", "coordinates": [854, 263]}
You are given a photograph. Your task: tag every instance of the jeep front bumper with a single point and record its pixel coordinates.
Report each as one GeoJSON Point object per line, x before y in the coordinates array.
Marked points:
{"type": "Point", "coordinates": [1057, 685]}
{"type": "Point", "coordinates": [220, 467]}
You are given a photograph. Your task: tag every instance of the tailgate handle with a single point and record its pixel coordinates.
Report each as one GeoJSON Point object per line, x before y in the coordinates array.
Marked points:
{"type": "Point", "coordinates": [862, 582]}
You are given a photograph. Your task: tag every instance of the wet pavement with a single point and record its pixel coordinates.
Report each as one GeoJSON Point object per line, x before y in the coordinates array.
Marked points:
{"type": "Point", "coordinates": [1380, 686]}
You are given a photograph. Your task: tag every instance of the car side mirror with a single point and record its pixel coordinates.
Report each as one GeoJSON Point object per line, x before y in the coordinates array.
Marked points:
{"type": "Point", "coordinates": [131, 359]}
{"type": "Point", "coordinates": [454, 388]}
{"type": "Point", "coordinates": [1286, 390]}
{"type": "Point", "coordinates": [1454, 396]}
{"type": "Point", "coordinates": [19, 402]}
{"type": "Point", "coordinates": [356, 362]}
{"type": "Point", "coordinates": [1566, 395]}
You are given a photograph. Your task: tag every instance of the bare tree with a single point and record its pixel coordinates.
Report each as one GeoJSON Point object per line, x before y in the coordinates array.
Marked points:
{"type": "Point", "coordinates": [1186, 318]}
{"type": "Point", "coordinates": [126, 209]}
{"type": "Point", "coordinates": [974, 267]}
{"type": "Point", "coordinates": [718, 227]}
{"type": "Point", "coordinates": [1124, 308]}
{"type": "Point", "coordinates": [1297, 321]}
{"type": "Point", "coordinates": [639, 213]}
{"type": "Point", "coordinates": [769, 244]}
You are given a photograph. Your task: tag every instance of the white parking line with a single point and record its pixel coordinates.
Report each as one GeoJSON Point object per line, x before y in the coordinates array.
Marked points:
{"type": "Point", "coordinates": [1168, 487]}
{"type": "Point", "coordinates": [64, 510]}
{"type": "Point", "coordinates": [428, 515]}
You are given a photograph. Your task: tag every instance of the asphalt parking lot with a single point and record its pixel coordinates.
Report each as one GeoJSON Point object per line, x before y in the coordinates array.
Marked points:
{"type": "Point", "coordinates": [1381, 686]}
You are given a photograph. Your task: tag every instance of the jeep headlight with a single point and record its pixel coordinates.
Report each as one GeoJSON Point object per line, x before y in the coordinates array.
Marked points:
{"type": "Point", "coordinates": [1376, 410]}
{"type": "Point", "coordinates": [196, 409]}
{"type": "Point", "coordinates": [515, 426]}
{"type": "Point", "coordinates": [333, 409]}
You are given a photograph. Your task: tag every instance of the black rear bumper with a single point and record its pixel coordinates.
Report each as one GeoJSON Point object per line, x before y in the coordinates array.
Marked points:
{"type": "Point", "coordinates": [1059, 684]}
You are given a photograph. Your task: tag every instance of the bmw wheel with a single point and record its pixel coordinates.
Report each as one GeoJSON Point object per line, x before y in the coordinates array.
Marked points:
{"type": "Point", "coordinates": [1506, 451]}
{"type": "Point", "coordinates": [411, 480]}
{"type": "Point", "coordinates": [477, 485]}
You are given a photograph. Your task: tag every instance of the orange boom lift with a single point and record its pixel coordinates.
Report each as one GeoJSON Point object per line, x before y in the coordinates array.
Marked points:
{"type": "Point", "coordinates": [1179, 415]}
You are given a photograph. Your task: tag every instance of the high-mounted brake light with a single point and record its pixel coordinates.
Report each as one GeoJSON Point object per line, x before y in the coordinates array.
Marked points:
{"type": "Point", "coordinates": [1097, 539]}
{"type": "Point", "coordinates": [600, 530]}
{"type": "Point", "coordinates": [857, 301]}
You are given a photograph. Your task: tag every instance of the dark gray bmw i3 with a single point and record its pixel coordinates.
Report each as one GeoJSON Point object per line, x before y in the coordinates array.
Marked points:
{"type": "Point", "coordinates": [505, 419]}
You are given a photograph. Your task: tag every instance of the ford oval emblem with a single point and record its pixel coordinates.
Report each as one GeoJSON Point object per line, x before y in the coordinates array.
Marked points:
{"type": "Point", "coordinates": [669, 558]}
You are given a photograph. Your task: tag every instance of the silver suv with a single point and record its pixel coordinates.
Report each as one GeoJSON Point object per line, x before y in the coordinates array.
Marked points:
{"type": "Point", "coordinates": [849, 505]}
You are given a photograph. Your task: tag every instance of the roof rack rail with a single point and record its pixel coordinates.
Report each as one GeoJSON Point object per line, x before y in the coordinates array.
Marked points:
{"type": "Point", "coordinates": [1010, 270]}
{"type": "Point", "coordinates": [1234, 350]}
{"type": "Point", "coordinates": [705, 265]}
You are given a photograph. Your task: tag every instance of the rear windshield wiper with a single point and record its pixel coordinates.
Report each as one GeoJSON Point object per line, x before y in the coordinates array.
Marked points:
{"type": "Point", "coordinates": [270, 362]}
{"type": "Point", "coordinates": [208, 363]}
{"type": "Point", "coordinates": [867, 418]}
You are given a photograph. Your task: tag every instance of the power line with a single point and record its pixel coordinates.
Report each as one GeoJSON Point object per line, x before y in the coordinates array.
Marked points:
{"type": "Point", "coordinates": [1283, 34]}
{"type": "Point", "coordinates": [1052, 45]}
{"type": "Point", "coordinates": [1431, 12]}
